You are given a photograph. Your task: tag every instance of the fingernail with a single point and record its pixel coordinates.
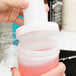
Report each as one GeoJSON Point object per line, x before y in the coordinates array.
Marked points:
{"type": "Point", "coordinates": [13, 68]}
{"type": "Point", "coordinates": [24, 4]}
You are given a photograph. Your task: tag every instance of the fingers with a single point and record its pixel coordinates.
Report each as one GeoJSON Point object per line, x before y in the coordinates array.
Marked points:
{"type": "Point", "coordinates": [46, 7]}
{"type": "Point", "coordinates": [59, 71]}
{"type": "Point", "coordinates": [13, 16]}
{"type": "Point", "coordinates": [17, 3]}
{"type": "Point", "coordinates": [64, 75]}
{"type": "Point", "coordinates": [19, 21]}
{"type": "Point", "coordinates": [6, 4]}
{"type": "Point", "coordinates": [61, 67]}
{"type": "Point", "coordinates": [15, 72]}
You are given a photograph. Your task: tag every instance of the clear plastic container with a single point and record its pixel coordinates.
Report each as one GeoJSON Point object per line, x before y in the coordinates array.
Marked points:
{"type": "Point", "coordinates": [2, 31]}
{"type": "Point", "coordinates": [38, 53]}
{"type": "Point", "coordinates": [9, 45]}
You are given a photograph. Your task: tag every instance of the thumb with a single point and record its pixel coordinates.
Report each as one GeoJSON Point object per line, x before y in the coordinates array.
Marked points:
{"type": "Point", "coordinates": [6, 4]}
{"type": "Point", "coordinates": [15, 72]}
{"type": "Point", "coordinates": [58, 71]}
{"type": "Point", "coordinates": [17, 3]}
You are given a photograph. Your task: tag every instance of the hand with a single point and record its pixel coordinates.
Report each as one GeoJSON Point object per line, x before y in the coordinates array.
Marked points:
{"type": "Point", "coordinates": [10, 10]}
{"type": "Point", "coordinates": [15, 72]}
{"type": "Point", "coordinates": [59, 71]}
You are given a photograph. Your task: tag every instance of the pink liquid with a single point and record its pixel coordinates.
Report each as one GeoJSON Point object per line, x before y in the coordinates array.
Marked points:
{"type": "Point", "coordinates": [38, 70]}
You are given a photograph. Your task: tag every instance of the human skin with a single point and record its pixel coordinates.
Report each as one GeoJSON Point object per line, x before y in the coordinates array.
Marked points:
{"type": "Point", "coordinates": [10, 10]}
{"type": "Point", "coordinates": [58, 71]}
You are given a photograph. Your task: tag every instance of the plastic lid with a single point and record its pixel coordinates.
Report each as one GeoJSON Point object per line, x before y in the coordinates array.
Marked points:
{"type": "Point", "coordinates": [50, 26]}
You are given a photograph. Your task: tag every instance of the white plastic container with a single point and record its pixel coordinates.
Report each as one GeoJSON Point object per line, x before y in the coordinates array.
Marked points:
{"type": "Point", "coordinates": [37, 56]}
{"type": "Point", "coordinates": [37, 51]}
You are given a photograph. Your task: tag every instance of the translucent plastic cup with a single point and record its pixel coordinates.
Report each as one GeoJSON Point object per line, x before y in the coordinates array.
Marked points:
{"type": "Point", "coordinates": [38, 51]}
{"type": "Point", "coordinates": [37, 54]}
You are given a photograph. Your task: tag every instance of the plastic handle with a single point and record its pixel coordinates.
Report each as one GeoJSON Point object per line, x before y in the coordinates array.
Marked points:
{"type": "Point", "coordinates": [35, 12]}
